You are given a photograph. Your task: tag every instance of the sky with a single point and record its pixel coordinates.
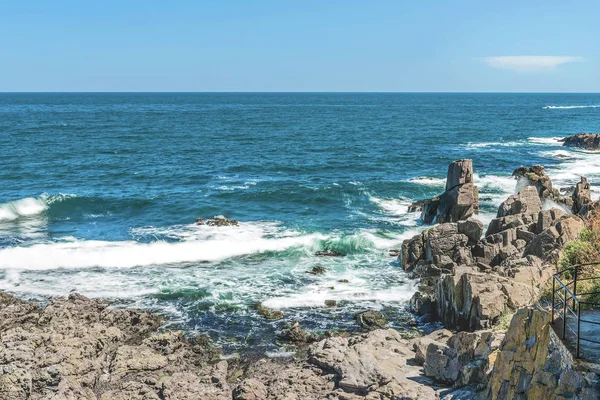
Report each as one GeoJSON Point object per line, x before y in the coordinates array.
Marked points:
{"type": "Point", "coordinates": [288, 45]}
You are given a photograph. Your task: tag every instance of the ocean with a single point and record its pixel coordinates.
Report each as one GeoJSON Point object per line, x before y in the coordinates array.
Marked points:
{"type": "Point", "coordinates": [99, 194]}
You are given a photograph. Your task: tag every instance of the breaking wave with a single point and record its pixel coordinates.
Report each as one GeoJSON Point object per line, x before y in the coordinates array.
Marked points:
{"type": "Point", "coordinates": [568, 107]}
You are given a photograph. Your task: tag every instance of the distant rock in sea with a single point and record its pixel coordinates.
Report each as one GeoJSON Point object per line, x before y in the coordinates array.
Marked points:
{"type": "Point", "coordinates": [586, 141]}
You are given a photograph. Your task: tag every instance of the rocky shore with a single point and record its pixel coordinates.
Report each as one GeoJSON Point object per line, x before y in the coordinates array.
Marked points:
{"type": "Point", "coordinates": [484, 285]}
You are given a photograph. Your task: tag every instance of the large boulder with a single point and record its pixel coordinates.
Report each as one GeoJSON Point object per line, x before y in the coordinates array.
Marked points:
{"type": "Point", "coordinates": [533, 363]}
{"type": "Point", "coordinates": [527, 201]}
{"type": "Point", "coordinates": [548, 243]}
{"type": "Point", "coordinates": [586, 141]}
{"type": "Point", "coordinates": [460, 200]}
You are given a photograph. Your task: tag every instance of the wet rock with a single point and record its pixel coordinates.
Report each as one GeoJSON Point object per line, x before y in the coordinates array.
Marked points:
{"type": "Point", "coordinates": [330, 303]}
{"type": "Point", "coordinates": [586, 141]}
{"type": "Point", "coordinates": [329, 253]}
{"type": "Point", "coordinates": [268, 313]}
{"type": "Point", "coordinates": [218, 220]}
{"type": "Point", "coordinates": [343, 281]}
{"type": "Point", "coordinates": [370, 319]}
{"type": "Point", "coordinates": [296, 334]}
{"type": "Point", "coordinates": [416, 206]}
{"type": "Point", "coordinates": [317, 270]}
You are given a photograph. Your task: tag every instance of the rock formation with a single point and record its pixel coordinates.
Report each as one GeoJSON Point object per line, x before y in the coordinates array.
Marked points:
{"type": "Point", "coordinates": [460, 200]}
{"type": "Point", "coordinates": [586, 141]}
{"type": "Point", "coordinates": [535, 176]}
{"type": "Point", "coordinates": [581, 196]}
{"type": "Point", "coordinates": [218, 220]}
{"type": "Point", "coordinates": [468, 281]}
{"type": "Point", "coordinates": [533, 363]}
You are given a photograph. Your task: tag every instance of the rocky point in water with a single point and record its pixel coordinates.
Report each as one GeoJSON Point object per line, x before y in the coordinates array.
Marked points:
{"type": "Point", "coordinates": [460, 200]}
{"type": "Point", "coordinates": [586, 141]}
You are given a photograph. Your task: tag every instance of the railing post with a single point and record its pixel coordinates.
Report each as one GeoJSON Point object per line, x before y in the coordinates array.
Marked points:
{"type": "Point", "coordinates": [564, 332]}
{"type": "Point", "coordinates": [553, 290]}
{"type": "Point", "coordinates": [578, 327]}
{"type": "Point", "coordinates": [575, 285]}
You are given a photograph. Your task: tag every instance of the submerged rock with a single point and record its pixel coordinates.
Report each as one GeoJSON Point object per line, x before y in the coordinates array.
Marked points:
{"type": "Point", "coordinates": [586, 141]}
{"type": "Point", "coordinates": [317, 270]}
{"type": "Point", "coordinates": [268, 313]}
{"type": "Point", "coordinates": [218, 220]}
{"type": "Point", "coordinates": [329, 253]}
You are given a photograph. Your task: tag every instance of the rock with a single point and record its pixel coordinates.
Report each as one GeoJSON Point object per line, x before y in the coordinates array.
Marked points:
{"type": "Point", "coordinates": [444, 243]}
{"type": "Point", "coordinates": [250, 389]}
{"type": "Point", "coordinates": [459, 202]}
{"type": "Point", "coordinates": [527, 201]}
{"type": "Point", "coordinates": [581, 196]}
{"type": "Point", "coordinates": [77, 348]}
{"type": "Point", "coordinates": [267, 312]}
{"type": "Point", "coordinates": [421, 344]}
{"type": "Point", "coordinates": [218, 220]}
{"type": "Point", "coordinates": [296, 334]}
{"type": "Point", "coordinates": [548, 243]}
{"type": "Point", "coordinates": [463, 359]}
{"type": "Point", "coordinates": [416, 206]}
{"type": "Point", "coordinates": [394, 252]}
{"type": "Point", "coordinates": [586, 141]}
{"type": "Point", "coordinates": [329, 253]}
{"type": "Point", "coordinates": [536, 177]}
{"type": "Point", "coordinates": [370, 319]}
{"type": "Point", "coordinates": [532, 363]}
{"type": "Point", "coordinates": [330, 303]}
{"type": "Point", "coordinates": [343, 281]}
{"type": "Point", "coordinates": [472, 228]}
{"type": "Point", "coordinates": [317, 270]}
{"type": "Point", "coordinates": [374, 365]}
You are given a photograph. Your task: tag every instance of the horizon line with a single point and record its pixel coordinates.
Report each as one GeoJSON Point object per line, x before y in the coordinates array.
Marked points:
{"type": "Point", "coordinates": [288, 92]}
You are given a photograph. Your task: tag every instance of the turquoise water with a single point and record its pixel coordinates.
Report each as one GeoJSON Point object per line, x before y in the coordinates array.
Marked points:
{"type": "Point", "coordinates": [100, 191]}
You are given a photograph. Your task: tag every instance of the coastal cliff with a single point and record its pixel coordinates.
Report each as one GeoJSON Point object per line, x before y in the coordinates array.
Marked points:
{"type": "Point", "coordinates": [470, 279]}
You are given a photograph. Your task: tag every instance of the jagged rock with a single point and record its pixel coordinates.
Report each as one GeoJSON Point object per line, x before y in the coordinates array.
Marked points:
{"type": "Point", "coordinates": [535, 176]}
{"type": "Point", "coordinates": [460, 201]}
{"type": "Point", "coordinates": [77, 348]}
{"type": "Point", "coordinates": [267, 312]}
{"type": "Point", "coordinates": [548, 243]}
{"type": "Point", "coordinates": [218, 220]}
{"type": "Point", "coordinates": [463, 359]}
{"type": "Point", "coordinates": [421, 344]}
{"type": "Point", "coordinates": [370, 319]}
{"type": "Point", "coordinates": [373, 364]}
{"type": "Point", "coordinates": [472, 228]}
{"type": "Point", "coordinates": [586, 141]}
{"type": "Point", "coordinates": [416, 206]}
{"type": "Point", "coordinates": [411, 251]}
{"type": "Point", "coordinates": [581, 196]}
{"type": "Point", "coordinates": [296, 334]}
{"type": "Point", "coordinates": [533, 363]}
{"type": "Point", "coordinates": [527, 201]}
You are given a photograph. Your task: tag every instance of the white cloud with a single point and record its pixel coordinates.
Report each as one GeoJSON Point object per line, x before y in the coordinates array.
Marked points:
{"type": "Point", "coordinates": [530, 63]}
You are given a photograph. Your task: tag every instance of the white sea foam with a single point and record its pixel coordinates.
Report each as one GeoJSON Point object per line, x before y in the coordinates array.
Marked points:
{"type": "Point", "coordinates": [126, 254]}
{"type": "Point", "coordinates": [493, 144]}
{"type": "Point", "coordinates": [545, 141]}
{"type": "Point", "coordinates": [392, 206]}
{"type": "Point", "coordinates": [570, 107]}
{"type": "Point", "coordinates": [428, 181]}
{"type": "Point", "coordinates": [22, 208]}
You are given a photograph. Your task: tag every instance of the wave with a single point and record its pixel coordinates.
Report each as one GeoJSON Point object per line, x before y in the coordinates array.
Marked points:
{"type": "Point", "coordinates": [471, 145]}
{"type": "Point", "coordinates": [546, 141]}
{"type": "Point", "coordinates": [428, 181]}
{"type": "Point", "coordinates": [568, 107]}
{"type": "Point", "coordinates": [393, 206]}
{"type": "Point", "coordinates": [26, 207]}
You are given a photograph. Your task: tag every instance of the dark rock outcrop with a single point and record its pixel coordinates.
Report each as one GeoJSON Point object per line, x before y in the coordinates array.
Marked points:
{"type": "Point", "coordinates": [460, 200]}
{"type": "Point", "coordinates": [370, 319]}
{"type": "Point", "coordinates": [586, 141]}
{"type": "Point", "coordinates": [581, 196]}
{"type": "Point", "coordinates": [218, 220]}
{"type": "Point", "coordinates": [535, 176]}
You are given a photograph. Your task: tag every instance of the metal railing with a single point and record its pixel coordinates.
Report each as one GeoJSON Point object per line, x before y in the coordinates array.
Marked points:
{"type": "Point", "coordinates": [574, 303]}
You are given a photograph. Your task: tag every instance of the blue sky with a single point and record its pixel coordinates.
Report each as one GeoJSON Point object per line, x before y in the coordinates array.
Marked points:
{"type": "Point", "coordinates": [300, 46]}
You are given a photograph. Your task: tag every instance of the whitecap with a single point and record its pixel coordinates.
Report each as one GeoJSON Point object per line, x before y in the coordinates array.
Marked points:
{"type": "Point", "coordinates": [428, 181]}
{"type": "Point", "coordinates": [26, 207]}
{"type": "Point", "coordinates": [569, 107]}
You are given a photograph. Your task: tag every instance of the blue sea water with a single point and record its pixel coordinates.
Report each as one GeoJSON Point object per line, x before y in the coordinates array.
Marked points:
{"type": "Point", "coordinates": [99, 193]}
